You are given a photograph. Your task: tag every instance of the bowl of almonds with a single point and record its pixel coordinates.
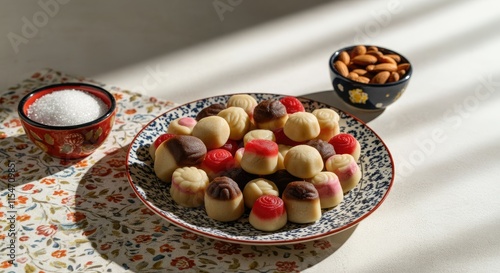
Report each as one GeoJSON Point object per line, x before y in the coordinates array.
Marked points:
{"type": "Point", "coordinates": [369, 77]}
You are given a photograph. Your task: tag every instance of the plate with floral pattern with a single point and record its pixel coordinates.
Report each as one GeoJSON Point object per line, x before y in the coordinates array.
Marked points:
{"type": "Point", "coordinates": [375, 162]}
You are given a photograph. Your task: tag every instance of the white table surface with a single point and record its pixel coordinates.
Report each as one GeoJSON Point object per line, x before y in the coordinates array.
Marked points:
{"type": "Point", "coordinates": [443, 213]}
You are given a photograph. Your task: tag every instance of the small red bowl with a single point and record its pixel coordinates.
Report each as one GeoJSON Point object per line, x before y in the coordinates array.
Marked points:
{"type": "Point", "coordinates": [68, 142]}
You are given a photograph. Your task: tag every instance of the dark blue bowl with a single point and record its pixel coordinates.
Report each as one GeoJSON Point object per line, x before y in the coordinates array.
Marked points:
{"type": "Point", "coordinates": [368, 96]}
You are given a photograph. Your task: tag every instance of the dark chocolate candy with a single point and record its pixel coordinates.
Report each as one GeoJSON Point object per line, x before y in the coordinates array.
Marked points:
{"type": "Point", "coordinates": [211, 110]}
{"type": "Point", "coordinates": [223, 188]}
{"type": "Point", "coordinates": [186, 150]}
{"type": "Point", "coordinates": [300, 190]}
{"type": "Point", "coordinates": [268, 110]}
{"type": "Point", "coordinates": [324, 148]}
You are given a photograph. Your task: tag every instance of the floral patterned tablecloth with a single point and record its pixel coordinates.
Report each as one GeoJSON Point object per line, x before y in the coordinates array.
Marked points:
{"type": "Point", "coordinates": [82, 216]}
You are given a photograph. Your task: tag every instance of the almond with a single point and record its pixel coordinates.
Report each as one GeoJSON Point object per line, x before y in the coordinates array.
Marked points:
{"type": "Point", "coordinates": [386, 59]}
{"type": "Point", "coordinates": [360, 71]}
{"type": "Point", "coordinates": [341, 68]}
{"type": "Point", "coordinates": [370, 67]}
{"type": "Point", "coordinates": [344, 57]}
{"type": "Point", "coordinates": [394, 77]}
{"type": "Point", "coordinates": [372, 48]}
{"type": "Point", "coordinates": [352, 75]}
{"type": "Point", "coordinates": [381, 77]}
{"type": "Point", "coordinates": [395, 57]}
{"type": "Point", "coordinates": [375, 53]}
{"type": "Point", "coordinates": [364, 59]}
{"type": "Point", "coordinates": [362, 79]}
{"type": "Point", "coordinates": [358, 50]}
{"type": "Point", "coordinates": [385, 67]}
{"type": "Point", "coordinates": [404, 66]}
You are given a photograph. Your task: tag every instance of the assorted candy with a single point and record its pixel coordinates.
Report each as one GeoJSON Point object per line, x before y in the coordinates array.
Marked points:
{"type": "Point", "coordinates": [268, 213]}
{"type": "Point", "coordinates": [272, 158]}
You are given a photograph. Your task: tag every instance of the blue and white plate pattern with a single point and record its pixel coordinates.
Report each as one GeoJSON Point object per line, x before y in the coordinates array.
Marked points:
{"type": "Point", "coordinates": [377, 179]}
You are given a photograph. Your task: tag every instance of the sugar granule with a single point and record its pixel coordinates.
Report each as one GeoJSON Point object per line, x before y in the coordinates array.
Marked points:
{"type": "Point", "coordinates": [66, 108]}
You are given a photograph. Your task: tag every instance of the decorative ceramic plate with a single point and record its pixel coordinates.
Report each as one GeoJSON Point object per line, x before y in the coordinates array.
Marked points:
{"type": "Point", "coordinates": [375, 162]}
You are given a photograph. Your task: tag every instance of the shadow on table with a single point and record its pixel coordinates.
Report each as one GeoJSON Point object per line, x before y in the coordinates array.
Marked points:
{"type": "Point", "coordinates": [331, 98]}
{"type": "Point", "coordinates": [144, 32]}
{"type": "Point", "coordinates": [125, 232]}
{"type": "Point", "coordinates": [29, 163]}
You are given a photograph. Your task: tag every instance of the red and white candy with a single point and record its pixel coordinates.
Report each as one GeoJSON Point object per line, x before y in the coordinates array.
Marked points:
{"type": "Point", "coordinates": [260, 156]}
{"type": "Point", "coordinates": [268, 213]}
{"type": "Point", "coordinates": [345, 143]}
{"type": "Point", "coordinates": [329, 189]}
{"type": "Point", "coordinates": [347, 170]}
{"type": "Point", "coordinates": [217, 161]}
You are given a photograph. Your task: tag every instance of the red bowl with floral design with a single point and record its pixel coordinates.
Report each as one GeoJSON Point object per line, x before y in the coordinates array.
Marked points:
{"type": "Point", "coordinates": [73, 141]}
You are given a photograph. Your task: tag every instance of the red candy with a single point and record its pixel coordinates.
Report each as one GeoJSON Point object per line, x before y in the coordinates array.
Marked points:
{"type": "Point", "coordinates": [292, 104]}
{"type": "Point", "coordinates": [268, 207]}
{"type": "Point", "coordinates": [343, 143]}
{"type": "Point", "coordinates": [231, 145]}
{"type": "Point", "coordinates": [218, 160]}
{"type": "Point", "coordinates": [162, 138]}
{"type": "Point", "coordinates": [262, 147]}
{"type": "Point", "coordinates": [281, 138]}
